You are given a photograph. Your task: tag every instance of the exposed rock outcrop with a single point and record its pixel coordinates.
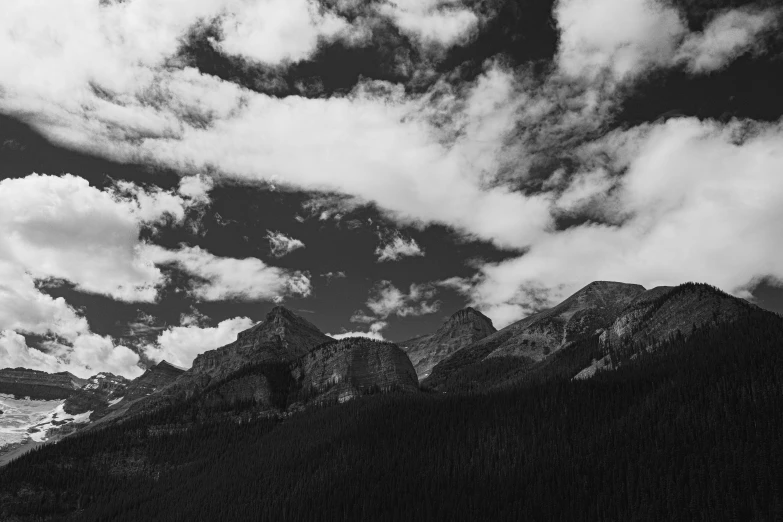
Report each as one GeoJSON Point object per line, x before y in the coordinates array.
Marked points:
{"type": "Point", "coordinates": [661, 313]}
{"type": "Point", "coordinates": [21, 382]}
{"type": "Point", "coordinates": [537, 337]}
{"type": "Point", "coordinates": [463, 328]}
{"type": "Point", "coordinates": [268, 347]}
{"type": "Point", "coordinates": [96, 394]}
{"type": "Point", "coordinates": [345, 369]}
{"type": "Point", "coordinates": [282, 337]}
{"type": "Point", "coordinates": [153, 379]}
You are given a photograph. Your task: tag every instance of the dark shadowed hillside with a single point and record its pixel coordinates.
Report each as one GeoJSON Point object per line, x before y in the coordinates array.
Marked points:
{"type": "Point", "coordinates": [666, 436]}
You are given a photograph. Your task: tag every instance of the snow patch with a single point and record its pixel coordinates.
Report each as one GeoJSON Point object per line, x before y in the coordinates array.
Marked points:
{"type": "Point", "coordinates": [21, 415]}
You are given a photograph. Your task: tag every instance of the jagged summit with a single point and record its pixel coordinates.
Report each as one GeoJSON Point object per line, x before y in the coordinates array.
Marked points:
{"type": "Point", "coordinates": [281, 311]}
{"type": "Point", "coordinates": [165, 365]}
{"type": "Point", "coordinates": [663, 312]}
{"type": "Point", "coordinates": [464, 327]}
{"type": "Point", "coordinates": [283, 336]}
{"type": "Point", "coordinates": [469, 314]}
{"type": "Point", "coordinates": [534, 338]}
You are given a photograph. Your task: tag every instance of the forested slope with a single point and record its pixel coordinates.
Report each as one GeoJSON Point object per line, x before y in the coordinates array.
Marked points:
{"type": "Point", "coordinates": [690, 431]}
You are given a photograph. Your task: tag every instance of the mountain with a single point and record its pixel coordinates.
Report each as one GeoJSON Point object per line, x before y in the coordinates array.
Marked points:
{"type": "Point", "coordinates": [351, 367]}
{"type": "Point", "coordinates": [661, 313]}
{"type": "Point", "coordinates": [540, 335]}
{"type": "Point", "coordinates": [282, 337]}
{"type": "Point", "coordinates": [21, 382]}
{"type": "Point", "coordinates": [253, 368]}
{"type": "Point", "coordinates": [96, 394]}
{"type": "Point", "coordinates": [693, 427]}
{"type": "Point", "coordinates": [152, 380]}
{"type": "Point", "coordinates": [465, 327]}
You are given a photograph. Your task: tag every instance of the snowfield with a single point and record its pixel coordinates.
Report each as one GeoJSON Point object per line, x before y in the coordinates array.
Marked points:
{"type": "Point", "coordinates": [25, 419]}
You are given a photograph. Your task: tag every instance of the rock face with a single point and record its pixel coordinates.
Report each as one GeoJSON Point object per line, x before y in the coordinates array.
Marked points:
{"type": "Point", "coordinates": [594, 307]}
{"type": "Point", "coordinates": [96, 394]}
{"type": "Point", "coordinates": [463, 328]}
{"type": "Point", "coordinates": [152, 380]}
{"type": "Point", "coordinates": [345, 369]}
{"type": "Point", "coordinates": [662, 312]}
{"type": "Point", "coordinates": [21, 382]}
{"type": "Point", "coordinates": [282, 337]}
{"type": "Point", "coordinates": [268, 347]}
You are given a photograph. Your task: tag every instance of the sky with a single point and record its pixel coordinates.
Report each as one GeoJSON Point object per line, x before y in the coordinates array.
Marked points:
{"type": "Point", "coordinates": [171, 170]}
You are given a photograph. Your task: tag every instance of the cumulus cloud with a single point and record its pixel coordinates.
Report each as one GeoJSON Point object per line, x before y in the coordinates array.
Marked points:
{"type": "Point", "coordinates": [333, 275]}
{"type": "Point", "coordinates": [433, 21]}
{"type": "Point", "coordinates": [100, 79]}
{"type": "Point", "coordinates": [386, 299]}
{"type": "Point", "coordinates": [699, 201]}
{"type": "Point", "coordinates": [726, 36]}
{"type": "Point", "coordinates": [222, 278]}
{"type": "Point", "coordinates": [397, 247]}
{"type": "Point", "coordinates": [282, 244]}
{"type": "Point", "coordinates": [196, 188]}
{"type": "Point", "coordinates": [120, 93]}
{"type": "Point", "coordinates": [374, 332]}
{"type": "Point", "coordinates": [624, 37]}
{"type": "Point", "coordinates": [59, 228]}
{"type": "Point", "coordinates": [274, 31]}
{"type": "Point", "coordinates": [87, 355]}
{"type": "Point", "coordinates": [179, 345]}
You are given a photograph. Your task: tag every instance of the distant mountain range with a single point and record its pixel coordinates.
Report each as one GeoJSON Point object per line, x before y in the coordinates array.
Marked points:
{"type": "Point", "coordinates": [284, 363]}
{"type": "Point", "coordinates": [638, 404]}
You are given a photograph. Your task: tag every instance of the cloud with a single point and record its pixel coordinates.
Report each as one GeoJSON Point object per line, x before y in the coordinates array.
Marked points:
{"type": "Point", "coordinates": [333, 275]}
{"type": "Point", "coordinates": [282, 244]}
{"type": "Point", "coordinates": [223, 278]}
{"type": "Point", "coordinates": [196, 188]}
{"type": "Point", "coordinates": [374, 332]}
{"type": "Point", "coordinates": [57, 229]}
{"type": "Point", "coordinates": [61, 227]}
{"type": "Point", "coordinates": [398, 247]}
{"type": "Point", "coordinates": [123, 92]}
{"type": "Point", "coordinates": [144, 324]}
{"type": "Point", "coordinates": [433, 22]}
{"type": "Point", "coordinates": [624, 37]}
{"type": "Point", "coordinates": [275, 31]}
{"type": "Point", "coordinates": [583, 190]}
{"type": "Point", "coordinates": [726, 36]}
{"type": "Point", "coordinates": [179, 345]}
{"type": "Point", "coordinates": [699, 201]}
{"type": "Point", "coordinates": [386, 299]}
{"type": "Point", "coordinates": [87, 356]}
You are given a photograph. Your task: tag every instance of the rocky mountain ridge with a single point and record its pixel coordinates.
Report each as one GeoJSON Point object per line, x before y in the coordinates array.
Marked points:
{"type": "Point", "coordinates": [463, 328]}
{"type": "Point", "coordinates": [38, 385]}
{"type": "Point", "coordinates": [538, 336]}
{"type": "Point", "coordinates": [281, 337]}
{"type": "Point", "coordinates": [351, 367]}
{"type": "Point", "coordinates": [285, 362]}
{"type": "Point", "coordinates": [660, 313]}
{"type": "Point", "coordinates": [271, 363]}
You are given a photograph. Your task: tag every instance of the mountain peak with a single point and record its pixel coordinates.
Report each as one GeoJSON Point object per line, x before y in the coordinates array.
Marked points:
{"type": "Point", "coordinates": [468, 314]}
{"type": "Point", "coordinates": [165, 365]}
{"type": "Point", "coordinates": [283, 312]}
{"type": "Point", "coordinates": [464, 327]}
